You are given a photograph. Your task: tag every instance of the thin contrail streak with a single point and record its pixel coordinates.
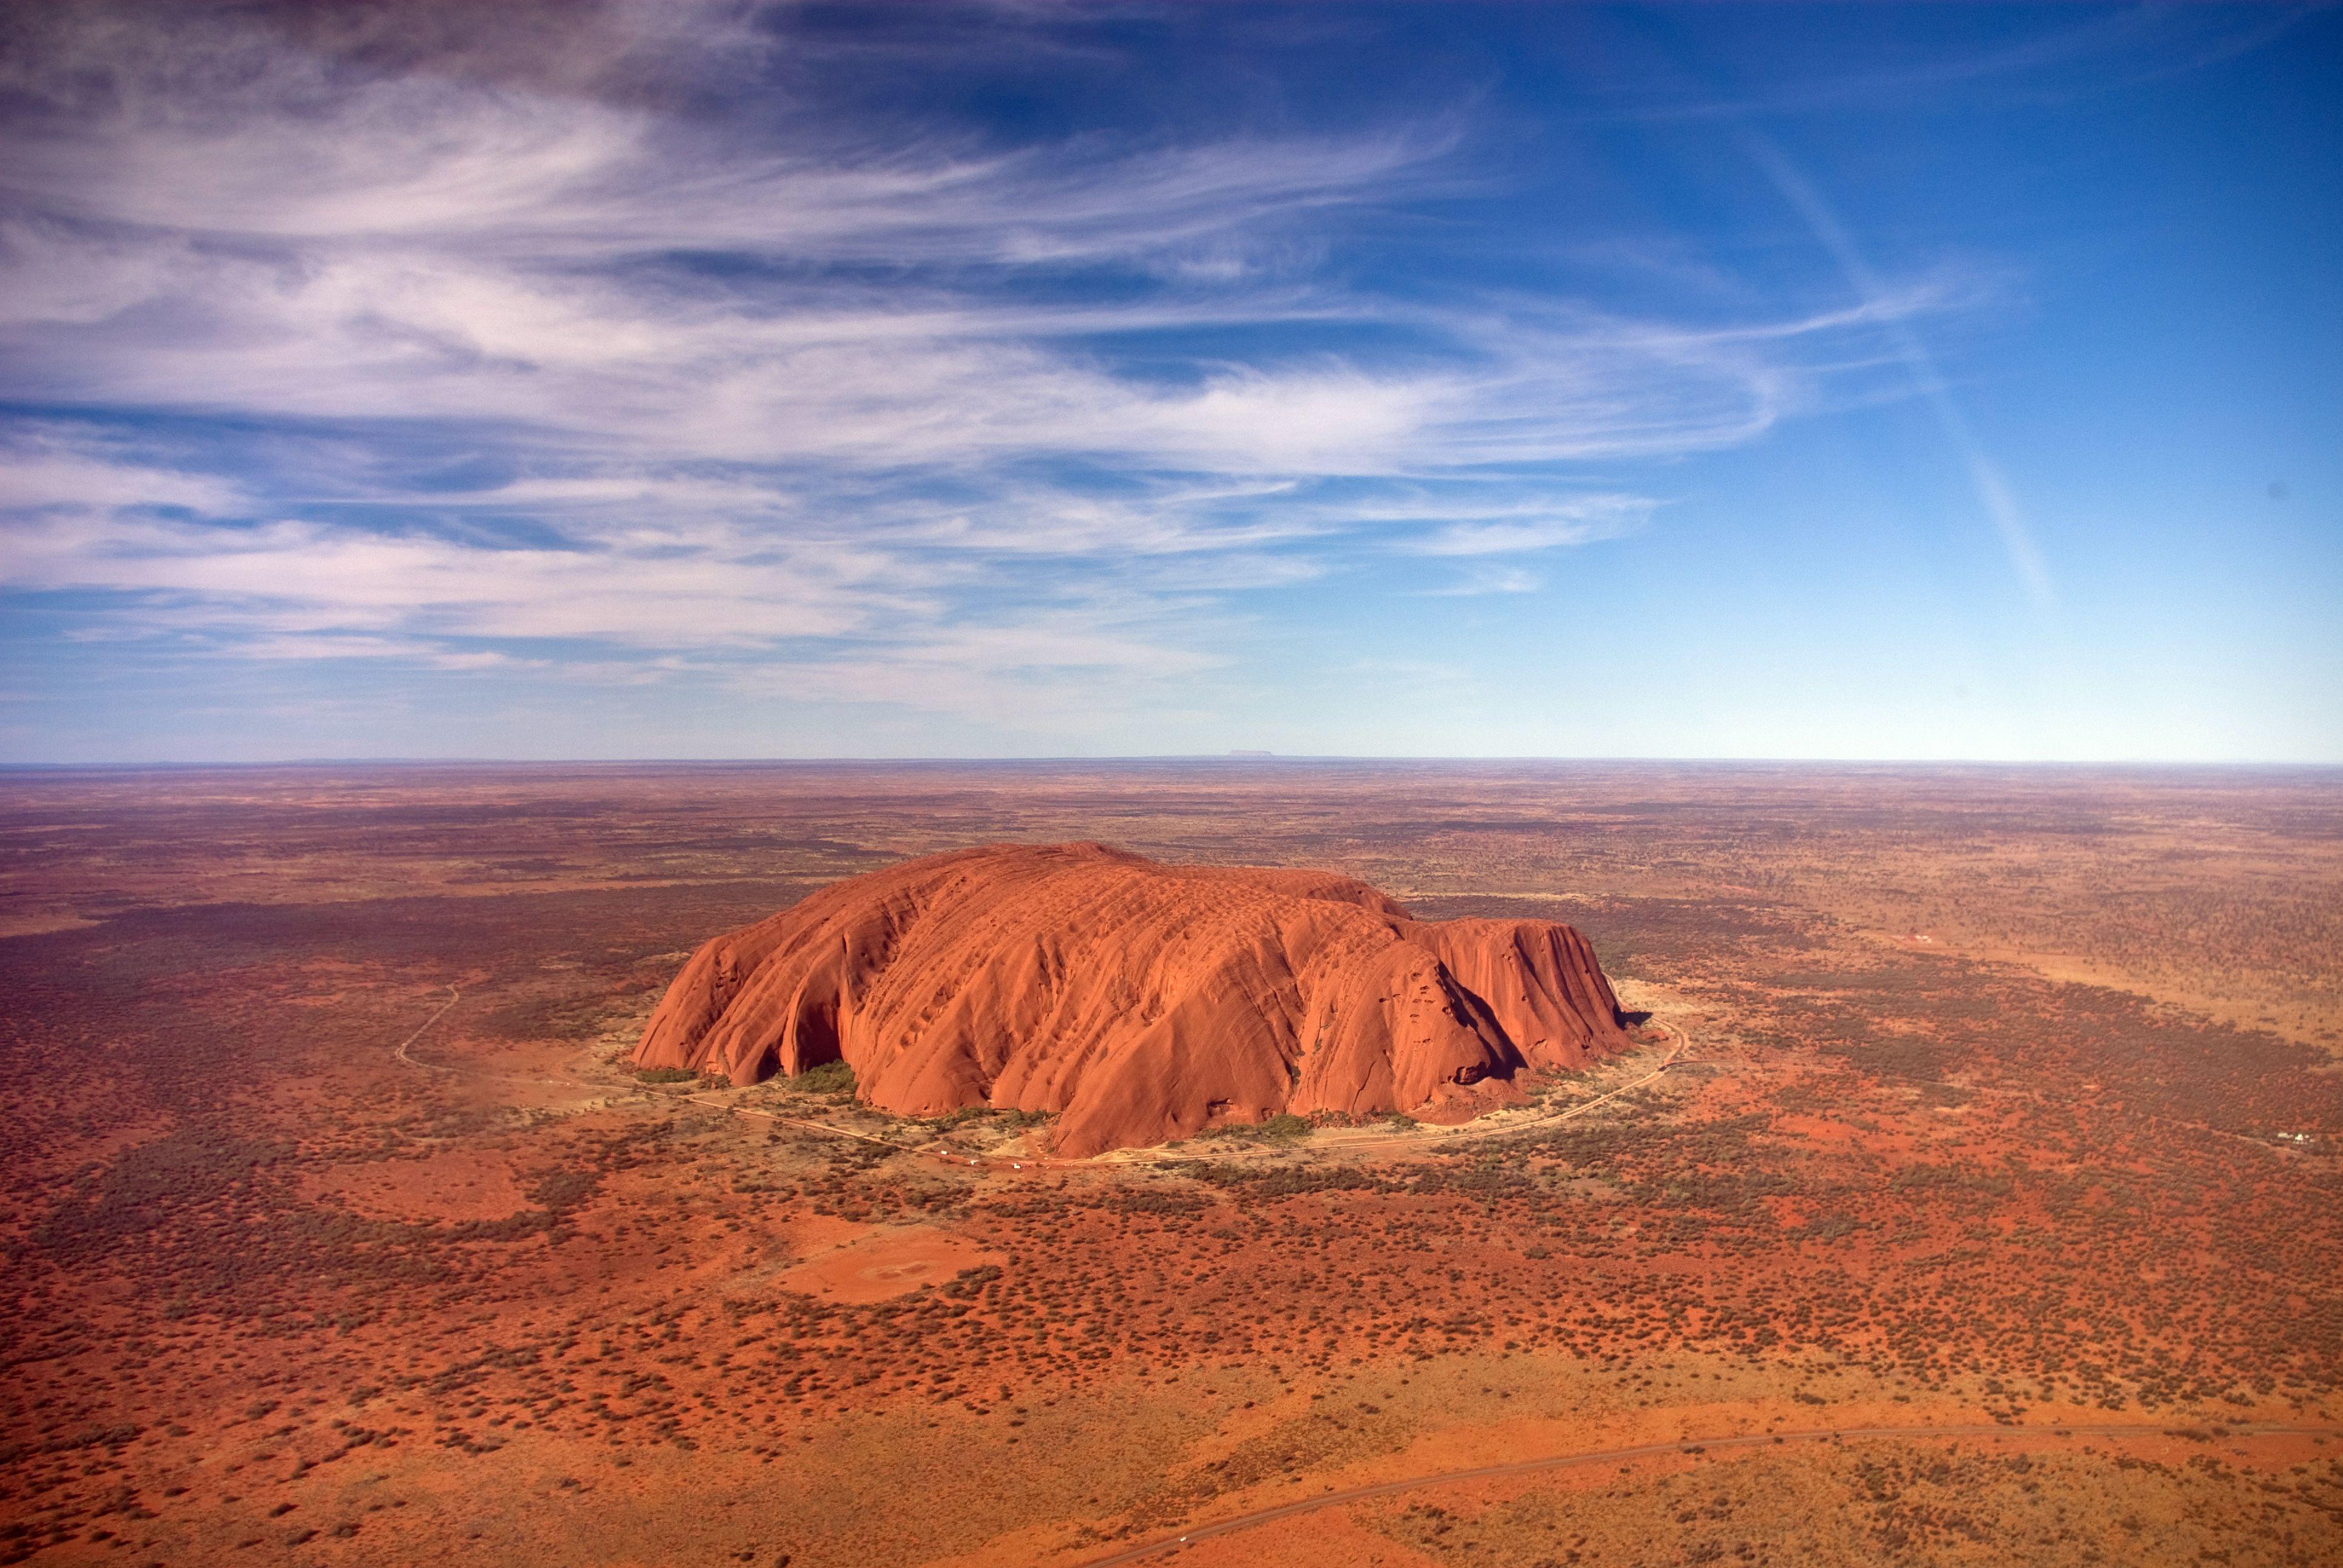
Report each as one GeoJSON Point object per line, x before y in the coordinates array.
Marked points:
{"type": "Point", "coordinates": [1985, 478]}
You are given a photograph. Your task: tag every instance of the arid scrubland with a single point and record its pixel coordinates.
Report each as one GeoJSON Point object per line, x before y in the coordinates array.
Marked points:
{"type": "Point", "coordinates": [1999, 1102]}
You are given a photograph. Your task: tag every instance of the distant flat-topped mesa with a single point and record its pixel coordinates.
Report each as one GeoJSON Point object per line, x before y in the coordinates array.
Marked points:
{"type": "Point", "coordinates": [1144, 1003]}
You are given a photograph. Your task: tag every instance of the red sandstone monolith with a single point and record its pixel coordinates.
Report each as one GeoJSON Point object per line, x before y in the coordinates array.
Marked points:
{"type": "Point", "coordinates": [1141, 1002]}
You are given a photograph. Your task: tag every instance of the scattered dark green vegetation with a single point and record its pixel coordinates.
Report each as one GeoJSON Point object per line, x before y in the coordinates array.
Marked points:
{"type": "Point", "coordinates": [1282, 1128]}
{"type": "Point", "coordinates": [829, 1078]}
{"type": "Point", "coordinates": [984, 1115]}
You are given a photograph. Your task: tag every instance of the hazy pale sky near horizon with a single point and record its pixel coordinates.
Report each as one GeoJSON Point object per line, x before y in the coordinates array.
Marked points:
{"type": "Point", "coordinates": [724, 380]}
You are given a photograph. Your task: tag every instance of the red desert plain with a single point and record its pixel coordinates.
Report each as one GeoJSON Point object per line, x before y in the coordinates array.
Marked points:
{"type": "Point", "coordinates": [1325, 1164]}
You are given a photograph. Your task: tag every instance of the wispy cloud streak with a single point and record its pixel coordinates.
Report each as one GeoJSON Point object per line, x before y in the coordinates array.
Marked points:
{"type": "Point", "coordinates": [480, 358]}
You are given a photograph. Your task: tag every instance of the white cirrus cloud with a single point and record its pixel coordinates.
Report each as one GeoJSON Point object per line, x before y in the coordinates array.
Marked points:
{"type": "Point", "coordinates": [486, 347]}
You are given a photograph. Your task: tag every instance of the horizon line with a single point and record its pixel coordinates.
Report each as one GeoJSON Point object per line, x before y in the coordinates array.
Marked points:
{"type": "Point", "coordinates": [1254, 758]}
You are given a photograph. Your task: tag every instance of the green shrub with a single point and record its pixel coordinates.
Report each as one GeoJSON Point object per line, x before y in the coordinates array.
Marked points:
{"type": "Point", "coordinates": [666, 1075]}
{"type": "Point", "coordinates": [1282, 1128]}
{"type": "Point", "coordinates": [829, 1078]}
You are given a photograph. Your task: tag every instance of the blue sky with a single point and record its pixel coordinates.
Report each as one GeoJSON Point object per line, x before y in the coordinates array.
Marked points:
{"type": "Point", "coordinates": [673, 380]}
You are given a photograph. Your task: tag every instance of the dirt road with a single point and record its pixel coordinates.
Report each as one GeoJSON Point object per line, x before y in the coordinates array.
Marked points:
{"type": "Point", "coordinates": [1259, 1516]}
{"type": "Point", "coordinates": [454, 996]}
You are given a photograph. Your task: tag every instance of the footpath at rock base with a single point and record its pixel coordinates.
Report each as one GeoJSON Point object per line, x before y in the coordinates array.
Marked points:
{"type": "Point", "coordinates": [1140, 1002]}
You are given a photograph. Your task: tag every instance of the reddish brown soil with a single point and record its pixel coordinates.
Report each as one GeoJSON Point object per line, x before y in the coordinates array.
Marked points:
{"type": "Point", "coordinates": [268, 1296]}
{"type": "Point", "coordinates": [1137, 1002]}
{"type": "Point", "coordinates": [862, 1263]}
{"type": "Point", "coordinates": [458, 1184]}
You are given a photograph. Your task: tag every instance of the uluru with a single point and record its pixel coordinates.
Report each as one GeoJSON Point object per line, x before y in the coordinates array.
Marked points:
{"type": "Point", "coordinates": [1140, 1002]}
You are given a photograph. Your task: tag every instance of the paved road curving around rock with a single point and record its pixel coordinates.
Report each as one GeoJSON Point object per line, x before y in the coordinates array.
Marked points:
{"type": "Point", "coordinates": [1688, 1445]}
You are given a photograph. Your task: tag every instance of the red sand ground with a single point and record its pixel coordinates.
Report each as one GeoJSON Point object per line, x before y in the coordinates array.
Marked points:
{"type": "Point", "coordinates": [264, 1302]}
{"type": "Point", "coordinates": [459, 1184]}
{"type": "Point", "coordinates": [861, 1263]}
